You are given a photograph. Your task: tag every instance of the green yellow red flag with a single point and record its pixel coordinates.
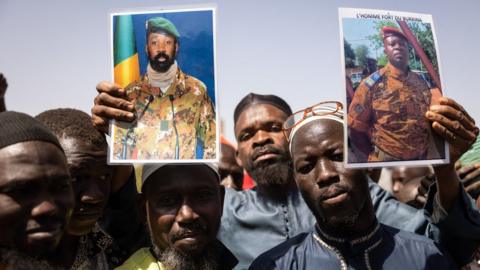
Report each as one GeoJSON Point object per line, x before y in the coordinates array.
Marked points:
{"type": "Point", "coordinates": [125, 56]}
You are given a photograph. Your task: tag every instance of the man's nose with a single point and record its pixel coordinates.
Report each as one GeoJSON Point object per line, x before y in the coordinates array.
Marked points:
{"type": "Point", "coordinates": [326, 172]}
{"type": "Point", "coordinates": [186, 214]}
{"type": "Point", "coordinates": [262, 138]}
{"type": "Point", "coordinates": [160, 47]}
{"type": "Point", "coordinates": [46, 207]}
{"type": "Point", "coordinates": [92, 195]}
{"type": "Point", "coordinates": [396, 186]}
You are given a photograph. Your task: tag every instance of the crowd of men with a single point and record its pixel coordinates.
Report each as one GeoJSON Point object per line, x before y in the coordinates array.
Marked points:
{"type": "Point", "coordinates": [63, 207]}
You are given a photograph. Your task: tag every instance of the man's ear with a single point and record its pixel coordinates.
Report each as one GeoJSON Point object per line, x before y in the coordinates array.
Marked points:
{"type": "Point", "coordinates": [239, 161]}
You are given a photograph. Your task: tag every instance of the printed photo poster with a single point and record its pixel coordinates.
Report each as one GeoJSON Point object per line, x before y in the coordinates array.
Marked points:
{"type": "Point", "coordinates": [392, 74]}
{"type": "Point", "coordinates": [165, 61]}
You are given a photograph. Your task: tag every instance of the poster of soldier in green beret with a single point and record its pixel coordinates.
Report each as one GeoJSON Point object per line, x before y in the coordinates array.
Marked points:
{"type": "Point", "coordinates": [165, 62]}
{"type": "Point", "coordinates": [392, 77]}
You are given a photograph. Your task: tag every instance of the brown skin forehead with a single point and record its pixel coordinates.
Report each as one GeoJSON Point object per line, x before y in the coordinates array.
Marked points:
{"type": "Point", "coordinates": [408, 173]}
{"type": "Point", "coordinates": [258, 115]}
{"type": "Point", "coordinates": [181, 178]}
{"type": "Point", "coordinates": [306, 138]}
{"type": "Point", "coordinates": [32, 160]}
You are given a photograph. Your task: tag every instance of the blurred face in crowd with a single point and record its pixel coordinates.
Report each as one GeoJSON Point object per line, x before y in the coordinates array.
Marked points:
{"type": "Point", "coordinates": [262, 147]}
{"type": "Point", "coordinates": [396, 50]}
{"type": "Point", "coordinates": [405, 183]}
{"type": "Point", "coordinates": [230, 172]}
{"type": "Point", "coordinates": [36, 197]}
{"type": "Point", "coordinates": [183, 207]}
{"type": "Point", "coordinates": [161, 49]}
{"type": "Point", "coordinates": [91, 178]}
{"type": "Point", "coordinates": [335, 195]}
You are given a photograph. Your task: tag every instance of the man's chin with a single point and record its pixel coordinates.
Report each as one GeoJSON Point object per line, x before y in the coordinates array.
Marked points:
{"type": "Point", "coordinates": [172, 258]}
{"type": "Point", "coordinates": [272, 173]}
{"type": "Point", "coordinates": [190, 247]}
{"type": "Point", "coordinates": [161, 66]}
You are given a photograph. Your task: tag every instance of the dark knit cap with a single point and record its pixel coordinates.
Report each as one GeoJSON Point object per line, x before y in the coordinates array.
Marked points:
{"type": "Point", "coordinates": [18, 127]}
{"type": "Point", "coordinates": [253, 98]}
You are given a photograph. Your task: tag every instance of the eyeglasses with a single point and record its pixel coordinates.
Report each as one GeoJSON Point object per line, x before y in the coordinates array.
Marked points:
{"type": "Point", "coordinates": [322, 108]}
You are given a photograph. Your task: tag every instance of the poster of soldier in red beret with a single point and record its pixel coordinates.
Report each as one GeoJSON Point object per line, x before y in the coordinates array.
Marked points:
{"type": "Point", "coordinates": [165, 61]}
{"type": "Point", "coordinates": [392, 76]}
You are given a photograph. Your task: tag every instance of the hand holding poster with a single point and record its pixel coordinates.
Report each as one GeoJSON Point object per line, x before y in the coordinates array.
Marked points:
{"type": "Point", "coordinates": [165, 62]}
{"type": "Point", "coordinates": [392, 69]}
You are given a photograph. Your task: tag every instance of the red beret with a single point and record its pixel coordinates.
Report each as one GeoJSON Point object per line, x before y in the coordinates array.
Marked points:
{"type": "Point", "coordinates": [388, 31]}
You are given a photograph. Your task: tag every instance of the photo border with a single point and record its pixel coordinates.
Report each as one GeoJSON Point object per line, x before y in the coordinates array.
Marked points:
{"type": "Point", "coordinates": [169, 9]}
{"type": "Point", "coordinates": [344, 12]}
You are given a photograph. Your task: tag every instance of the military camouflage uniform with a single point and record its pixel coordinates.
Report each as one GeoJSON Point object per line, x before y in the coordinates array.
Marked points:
{"type": "Point", "coordinates": [390, 108]}
{"type": "Point", "coordinates": [153, 135]}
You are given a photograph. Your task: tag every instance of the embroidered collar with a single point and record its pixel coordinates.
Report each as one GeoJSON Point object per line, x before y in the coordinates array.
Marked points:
{"type": "Point", "coordinates": [350, 245]}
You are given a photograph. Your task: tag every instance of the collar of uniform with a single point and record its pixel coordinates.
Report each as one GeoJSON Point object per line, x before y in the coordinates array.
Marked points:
{"type": "Point", "coordinates": [350, 245]}
{"type": "Point", "coordinates": [176, 89]}
{"type": "Point", "coordinates": [396, 73]}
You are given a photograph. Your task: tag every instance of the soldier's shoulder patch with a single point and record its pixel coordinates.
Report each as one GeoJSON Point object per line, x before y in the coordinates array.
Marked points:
{"type": "Point", "coordinates": [358, 108]}
{"type": "Point", "coordinates": [373, 79]}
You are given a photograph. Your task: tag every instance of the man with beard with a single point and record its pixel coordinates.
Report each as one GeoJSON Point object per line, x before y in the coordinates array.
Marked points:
{"type": "Point", "coordinates": [255, 220]}
{"type": "Point", "coordinates": [175, 118]}
{"type": "Point", "coordinates": [182, 206]}
{"type": "Point", "coordinates": [36, 198]}
{"type": "Point", "coordinates": [347, 234]}
{"type": "Point", "coordinates": [385, 118]}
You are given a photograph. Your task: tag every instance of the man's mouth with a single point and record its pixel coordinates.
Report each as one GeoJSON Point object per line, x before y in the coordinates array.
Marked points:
{"type": "Point", "coordinates": [336, 199]}
{"type": "Point", "coordinates": [266, 156]}
{"type": "Point", "coordinates": [93, 213]}
{"type": "Point", "coordinates": [45, 232]}
{"type": "Point", "coordinates": [335, 195]}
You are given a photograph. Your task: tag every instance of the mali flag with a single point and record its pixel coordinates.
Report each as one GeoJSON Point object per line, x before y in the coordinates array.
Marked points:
{"type": "Point", "coordinates": [126, 67]}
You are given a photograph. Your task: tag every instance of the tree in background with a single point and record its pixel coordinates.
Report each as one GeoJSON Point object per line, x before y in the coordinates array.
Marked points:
{"type": "Point", "coordinates": [362, 54]}
{"type": "Point", "coordinates": [424, 35]}
{"type": "Point", "coordinates": [349, 54]}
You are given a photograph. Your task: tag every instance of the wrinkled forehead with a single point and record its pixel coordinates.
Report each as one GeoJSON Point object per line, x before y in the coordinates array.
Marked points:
{"type": "Point", "coordinates": [32, 160]}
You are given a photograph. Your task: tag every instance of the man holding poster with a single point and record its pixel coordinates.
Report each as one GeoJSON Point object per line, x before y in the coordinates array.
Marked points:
{"type": "Point", "coordinates": [175, 117]}
{"type": "Point", "coordinates": [386, 118]}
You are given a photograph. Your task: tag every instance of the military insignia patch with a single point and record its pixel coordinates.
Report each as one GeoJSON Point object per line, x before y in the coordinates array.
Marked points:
{"type": "Point", "coordinates": [163, 125]}
{"type": "Point", "coordinates": [358, 108]}
{"type": "Point", "coordinates": [372, 79]}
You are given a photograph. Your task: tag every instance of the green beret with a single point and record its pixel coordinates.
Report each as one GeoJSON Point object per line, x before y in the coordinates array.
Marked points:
{"type": "Point", "coordinates": [164, 24]}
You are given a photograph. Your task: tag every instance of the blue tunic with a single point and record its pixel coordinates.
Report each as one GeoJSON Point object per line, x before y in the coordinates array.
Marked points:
{"type": "Point", "coordinates": [381, 247]}
{"type": "Point", "coordinates": [252, 224]}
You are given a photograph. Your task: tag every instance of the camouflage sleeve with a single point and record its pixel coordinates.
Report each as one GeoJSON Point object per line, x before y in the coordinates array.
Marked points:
{"type": "Point", "coordinates": [207, 127]}
{"type": "Point", "coordinates": [359, 112]}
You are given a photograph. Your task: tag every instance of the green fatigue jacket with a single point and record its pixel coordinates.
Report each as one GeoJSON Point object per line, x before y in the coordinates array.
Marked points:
{"type": "Point", "coordinates": [181, 120]}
